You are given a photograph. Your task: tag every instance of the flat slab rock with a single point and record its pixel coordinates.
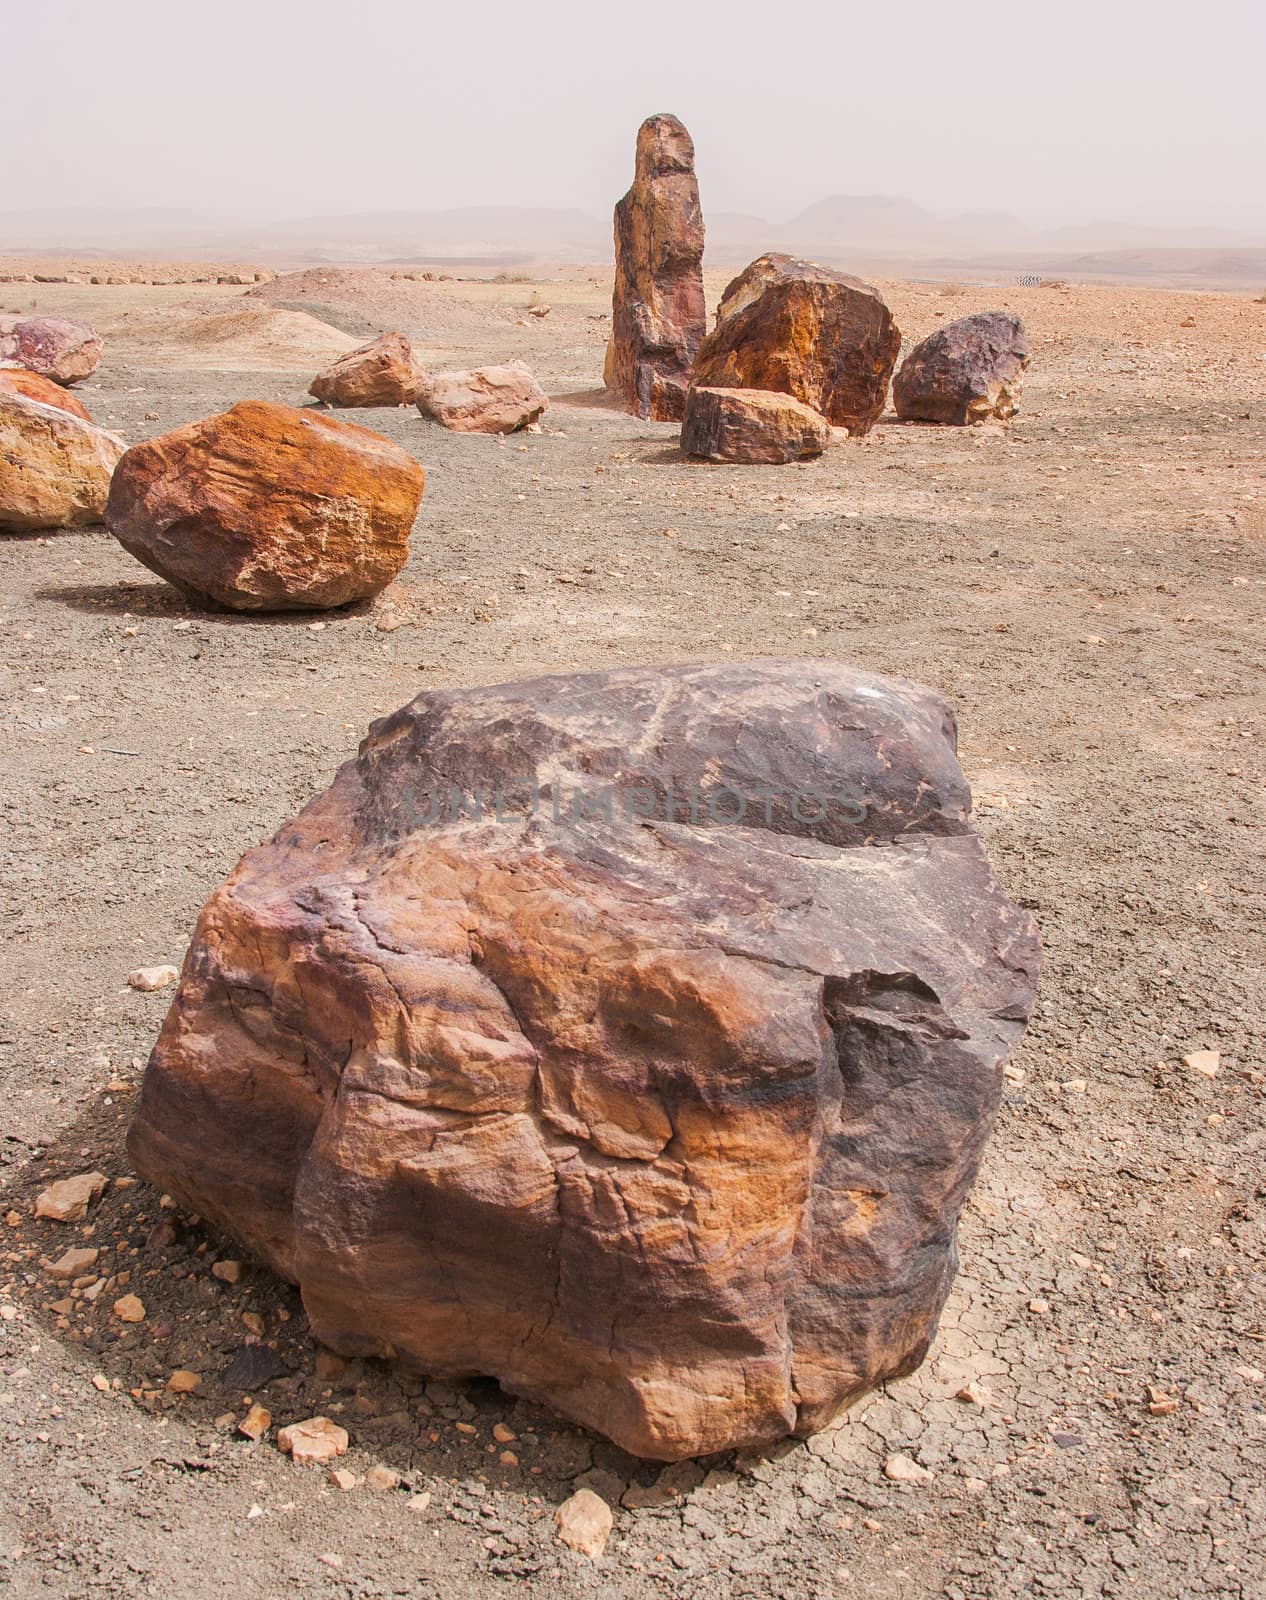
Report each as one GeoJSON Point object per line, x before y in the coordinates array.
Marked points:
{"type": "Point", "coordinates": [751, 425]}
{"type": "Point", "coordinates": [808, 331]}
{"type": "Point", "coordinates": [662, 1118]}
{"type": "Point", "coordinates": [966, 372]}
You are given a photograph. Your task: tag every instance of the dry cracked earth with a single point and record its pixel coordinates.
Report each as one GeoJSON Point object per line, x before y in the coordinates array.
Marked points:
{"type": "Point", "coordinates": [1086, 585]}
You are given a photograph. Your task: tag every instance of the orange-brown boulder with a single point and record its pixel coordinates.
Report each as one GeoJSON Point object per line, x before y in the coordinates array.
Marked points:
{"type": "Point", "coordinates": [631, 1037]}
{"type": "Point", "coordinates": [381, 373]}
{"type": "Point", "coordinates": [17, 380]}
{"type": "Point", "coordinates": [808, 331]}
{"type": "Point", "coordinates": [658, 315]}
{"type": "Point", "coordinates": [483, 399]}
{"type": "Point", "coordinates": [55, 347]}
{"type": "Point", "coordinates": [968, 371]}
{"type": "Point", "coordinates": [266, 508]}
{"type": "Point", "coordinates": [54, 467]}
{"type": "Point", "coordinates": [751, 425]}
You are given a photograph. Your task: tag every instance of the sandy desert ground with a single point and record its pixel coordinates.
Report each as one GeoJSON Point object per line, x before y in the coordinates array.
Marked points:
{"type": "Point", "coordinates": [1086, 585]}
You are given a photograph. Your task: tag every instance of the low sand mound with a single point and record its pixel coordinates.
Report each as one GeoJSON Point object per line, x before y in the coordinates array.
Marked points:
{"type": "Point", "coordinates": [245, 339]}
{"type": "Point", "coordinates": [379, 299]}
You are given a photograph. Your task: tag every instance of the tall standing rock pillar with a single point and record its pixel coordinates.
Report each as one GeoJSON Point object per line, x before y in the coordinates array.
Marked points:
{"type": "Point", "coordinates": [658, 317]}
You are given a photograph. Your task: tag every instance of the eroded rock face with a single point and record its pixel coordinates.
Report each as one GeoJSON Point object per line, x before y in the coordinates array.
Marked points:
{"type": "Point", "coordinates": [483, 399]}
{"type": "Point", "coordinates": [267, 508]}
{"type": "Point", "coordinates": [17, 380]}
{"type": "Point", "coordinates": [751, 425]}
{"type": "Point", "coordinates": [658, 316]}
{"type": "Point", "coordinates": [665, 1122]}
{"type": "Point", "coordinates": [54, 467]}
{"type": "Point", "coordinates": [965, 372]}
{"type": "Point", "coordinates": [381, 373]}
{"type": "Point", "coordinates": [808, 331]}
{"type": "Point", "coordinates": [55, 347]}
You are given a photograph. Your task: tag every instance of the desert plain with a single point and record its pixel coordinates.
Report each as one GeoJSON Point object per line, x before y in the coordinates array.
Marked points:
{"type": "Point", "coordinates": [1085, 584]}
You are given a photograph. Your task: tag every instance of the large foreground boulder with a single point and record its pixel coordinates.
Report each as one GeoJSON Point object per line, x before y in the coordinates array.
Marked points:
{"type": "Point", "coordinates": [655, 1090]}
{"type": "Point", "coordinates": [965, 372]}
{"type": "Point", "coordinates": [381, 373]}
{"type": "Point", "coordinates": [17, 380]}
{"type": "Point", "coordinates": [266, 508]}
{"type": "Point", "coordinates": [55, 347]}
{"type": "Point", "coordinates": [807, 331]}
{"type": "Point", "coordinates": [658, 313]}
{"type": "Point", "coordinates": [751, 425]}
{"type": "Point", "coordinates": [54, 467]}
{"type": "Point", "coordinates": [483, 399]}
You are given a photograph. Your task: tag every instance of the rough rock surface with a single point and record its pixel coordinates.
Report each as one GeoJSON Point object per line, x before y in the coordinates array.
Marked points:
{"type": "Point", "coordinates": [666, 1123]}
{"type": "Point", "coordinates": [381, 373]}
{"type": "Point", "coordinates": [804, 330]}
{"type": "Point", "coordinates": [266, 508]}
{"type": "Point", "coordinates": [965, 372]}
{"type": "Point", "coordinates": [751, 425]}
{"type": "Point", "coordinates": [658, 316]}
{"type": "Point", "coordinates": [17, 380]}
{"type": "Point", "coordinates": [54, 467]}
{"type": "Point", "coordinates": [55, 347]}
{"type": "Point", "coordinates": [483, 399]}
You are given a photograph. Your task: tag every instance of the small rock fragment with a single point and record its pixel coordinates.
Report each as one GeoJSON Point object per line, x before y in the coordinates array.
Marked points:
{"type": "Point", "coordinates": [182, 1381]}
{"type": "Point", "coordinates": [68, 1199]}
{"type": "Point", "coordinates": [420, 1502]}
{"type": "Point", "coordinates": [313, 1442]}
{"type": "Point", "coordinates": [341, 1478]}
{"type": "Point", "coordinates": [71, 1263]}
{"type": "Point", "coordinates": [1205, 1062]}
{"type": "Point", "coordinates": [227, 1271]}
{"type": "Point", "coordinates": [584, 1522]}
{"type": "Point", "coordinates": [147, 979]}
{"type": "Point", "coordinates": [256, 1423]}
{"type": "Point", "coordinates": [129, 1308]}
{"type": "Point", "coordinates": [904, 1469]}
{"type": "Point", "coordinates": [973, 1394]}
{"type": "Point", "coordinates": [381, 1479]}
{"type": "Point", "coordinates": [503, 1434]}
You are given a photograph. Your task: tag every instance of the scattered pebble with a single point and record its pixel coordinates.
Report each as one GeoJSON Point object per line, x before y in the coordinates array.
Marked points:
{"type": "Point", "coordinates": [256, 1423]}
{"type": "Point", "coordinates": [68, 1199]}
{"type": "Point", "coordinates": [313, 1442]}
{"type": "Point", "coordinates": [904, 1469]}
{"type": "Point", "coordinates": [129, 1308]}
{"type": "Point", "coordinates": [584, 1523]}
{"type": "Point", "coordinates": [182, 1381]}
{"type": "Point", "coordinates": [71, 1263]}
{"type": "Point", "coordinates": [1205, 1062]}
{"type": "Point", "coordinates": [149, 978]}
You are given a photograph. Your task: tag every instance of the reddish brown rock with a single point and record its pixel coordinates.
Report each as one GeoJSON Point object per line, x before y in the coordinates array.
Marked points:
{"type": "Point", "coordinates": [17, 380]}
{"type": "Point", "coordinates": [54, 467]}
{"type": "Point", "coordinates": [965, 372]}
{"type": "Point", "coordinates": [658, 316]}
{"type": "Point", "coordinates": [55, 347]}
{"type": "Point", "coordinates": [483, 399]}
{"type": "Point", "coordinates": [808, 331]}
{"type": "Point", "coordinates": [751, 425]}
{"type": "Point", "coordinates": [266, 508]}
{"type": "Point", "coordinates": [659, 1118]}
{"type": "Point", "coordinates": [381, 373]}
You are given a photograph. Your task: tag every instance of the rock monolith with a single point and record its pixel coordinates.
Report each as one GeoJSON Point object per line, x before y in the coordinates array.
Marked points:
{"type": "Point", "coordinates": [54, 467]}
{"type": "Point", "coordinates": [380, 373]}
{"type": "Point", "coordinates": [967, 371]}
{"type": "Point", "coordinates": [658, 316]}
{"type": "Point", "coordinates": [631, 1037]}
{"type": "Point", "coordinates": [753, 425]}
{"type": "Point", "coordinates": [268, 508]}
{"type": "Point", "coordinates": [804, 330]}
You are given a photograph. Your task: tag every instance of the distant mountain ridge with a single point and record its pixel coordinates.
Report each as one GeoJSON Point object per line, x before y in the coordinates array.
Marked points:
{"type": "Point", "coordinates": [871, 232]}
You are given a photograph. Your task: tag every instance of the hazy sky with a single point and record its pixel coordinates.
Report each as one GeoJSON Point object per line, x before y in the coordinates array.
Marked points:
{"type": "Point", "coordinates": [1056, 110]}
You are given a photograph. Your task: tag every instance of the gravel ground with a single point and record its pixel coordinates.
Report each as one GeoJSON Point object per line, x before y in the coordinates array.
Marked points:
{"type": "Point", "coordinates": [1086, 586]}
